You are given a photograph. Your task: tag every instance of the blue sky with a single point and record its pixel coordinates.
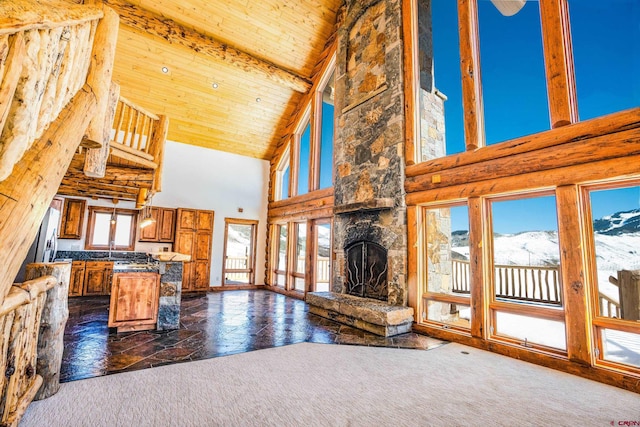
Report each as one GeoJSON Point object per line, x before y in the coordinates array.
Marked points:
{"type": "Point", "coordinates": [606, 46]}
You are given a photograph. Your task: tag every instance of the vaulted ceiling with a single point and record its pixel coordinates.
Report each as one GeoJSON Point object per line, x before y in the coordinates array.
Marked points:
{"type": "Point", "coordinates": [235, 70]}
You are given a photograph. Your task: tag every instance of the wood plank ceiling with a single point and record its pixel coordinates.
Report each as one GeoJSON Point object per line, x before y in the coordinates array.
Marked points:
{"type": "Point", "coordinates": [250, 49]}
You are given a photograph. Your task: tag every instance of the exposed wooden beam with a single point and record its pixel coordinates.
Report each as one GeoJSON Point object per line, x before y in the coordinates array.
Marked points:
{"type": "Point", "coordinates": [175, 33]}
{"type": "Point", "coordinates": [112, 173]}
{"type": "Point", "coordinates": [26, 194]}
{"type": "Point", "coordinates": [74, 191]}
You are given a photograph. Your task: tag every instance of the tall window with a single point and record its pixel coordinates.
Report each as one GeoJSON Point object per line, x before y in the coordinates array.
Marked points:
{"type": "Point", "coordinates": [303, 138]}
{"type": "Point", "coordinates": [299, 272]}
{"type": "Point", "coordinates": [615, 239]}
{"type": "Point", "coordinates": [527, 293]}
{"type": "Point", "coordinates": [326, 119]}
{"type": "Point", "coordinates": [322, 259]}
{"type": "Point", "coordinates": [280, 262]}
{"type": "Point", "coordinates": [447, 272]}
{"type": "Point", "coordinates": [283, 177]}
{"type": "Point", "coordinates": [239, 252]}
{"type": "Point", "coordinates": [110, 228]}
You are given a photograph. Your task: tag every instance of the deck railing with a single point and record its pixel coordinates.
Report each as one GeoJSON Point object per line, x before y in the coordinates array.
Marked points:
{"type": "Point", "coordinates": [515, 282]}
{"type": "Point", "coordinates": [527, 283]}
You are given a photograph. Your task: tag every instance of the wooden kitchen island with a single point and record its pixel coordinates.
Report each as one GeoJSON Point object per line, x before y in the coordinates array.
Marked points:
{"type": "Point", "coordinates": [134, 301]}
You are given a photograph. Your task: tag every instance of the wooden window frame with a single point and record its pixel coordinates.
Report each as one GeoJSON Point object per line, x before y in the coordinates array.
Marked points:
{"type": "Point", "coordinates": [312, 250]}
{"type": "Point", "coordinates": [283, 164]}
{"type": "Point", "coordinates": [557, 53]}
{"type": "Point", "coordinates": [93, 210]}
{"type": "Point", "coordinates": [316, 126]}
{"type": "Point", "coordinates": [275, 272]}
{"type": "Point", "coordinates": [252, 250]}
{"type": "Point", "coordinates": [425, 294]}
{"type": "Point", "coordinates": [293, 264]}
{"type": "Point", "coordinates": [599, 322]}
{"type": "Point", "coordinates": [306, 119]}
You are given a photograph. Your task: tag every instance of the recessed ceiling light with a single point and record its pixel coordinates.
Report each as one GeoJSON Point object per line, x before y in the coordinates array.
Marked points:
{"type": "Point", "coordinates": [215, 85]}
{"type": "Point", "coordinates": [258, 99]}
{"type": "Point", "coordinates": [165, 70]}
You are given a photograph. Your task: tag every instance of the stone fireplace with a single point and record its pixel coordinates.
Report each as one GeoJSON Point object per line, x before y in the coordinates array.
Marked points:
{"type": "Point", "coordinates": [370, 227]}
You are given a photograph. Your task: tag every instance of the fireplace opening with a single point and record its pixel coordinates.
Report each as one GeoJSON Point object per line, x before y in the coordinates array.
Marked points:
{"type": "Point", "coordinates": [367, 270]}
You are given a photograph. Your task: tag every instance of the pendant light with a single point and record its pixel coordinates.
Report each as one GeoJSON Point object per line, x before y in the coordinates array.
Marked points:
{"type": "Point", "coordinates": [509, 7]}
{"type": "Point", "coordinates": [147, 219]}
{"type": "Point", "coordinates": [113, 214]}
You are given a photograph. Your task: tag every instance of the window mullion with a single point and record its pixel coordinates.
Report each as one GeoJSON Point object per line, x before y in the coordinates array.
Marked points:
{"type": "Point", "coordinates": [558, 59]}
{"type": "Point", "coordinates": [471, 81]}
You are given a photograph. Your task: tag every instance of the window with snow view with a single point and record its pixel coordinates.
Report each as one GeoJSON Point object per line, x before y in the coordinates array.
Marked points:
{"type": "Point", "coordinates": [526, 271]}
{"type": "Point", "coordinates": [447, 266]}
{"type": "Point", "coordinates": [615, 216]}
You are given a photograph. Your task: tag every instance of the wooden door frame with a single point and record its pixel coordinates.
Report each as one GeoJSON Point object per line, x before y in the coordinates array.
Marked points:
{"type": "Point", "coordinates": [252, 250]}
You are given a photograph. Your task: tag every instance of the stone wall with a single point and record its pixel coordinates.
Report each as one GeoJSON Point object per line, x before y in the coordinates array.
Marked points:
{"type": "Point", "coordinates": [369, 139]}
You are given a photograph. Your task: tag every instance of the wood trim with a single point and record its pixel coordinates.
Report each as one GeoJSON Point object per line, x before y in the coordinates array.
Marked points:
{"type": "Point", "coordinates": [480, 285]}
{"type": "Point", "coordinates": [615, 378]}
{"type": "Point", "coordinates": [411, 79]}
{"type": "Point", "coordinates": [415, 243]}
{"type": "Point", "coordinates": [616, 145]}
{"type": "Point", "coordinates": [605, 125]}
{"type": "Point", "coordinates": [314, 195]}
{"type": "Point", "coordinates": [572, 269]}
{"type": "Point", "coordinates": [292, 294]}
{"type": "Point", "coordinates": [471, 78]}
{"type": "Point", "coordinates": [558, 58]}
{"type": "Point", "coordinates": [237, 288]}
{"type": "Point", "coordinates": [456, 299]}
{"type": "Point", "coordinates": [537, 311]}
{"type": "Point", "coordinates": [594, 171]}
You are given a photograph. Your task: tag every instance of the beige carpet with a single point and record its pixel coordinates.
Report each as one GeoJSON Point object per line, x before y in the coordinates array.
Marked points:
{"type": "Point", "coordinates": [334, 385]}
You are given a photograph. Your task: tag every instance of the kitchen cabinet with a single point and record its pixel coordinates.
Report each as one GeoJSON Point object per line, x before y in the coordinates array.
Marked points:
{"type": "Point", "coordinates": [76, 283]}
{"type": "Point", "coordinates": [163, 229]}
{"type": "Point", "coordinates": [134, 301]}
{"type": "Point", "coordinates": [194, 235]}
{"type": "Point", "coordinates": [97, 277]}
{"type": "Point", "coordinates": [72, 218]}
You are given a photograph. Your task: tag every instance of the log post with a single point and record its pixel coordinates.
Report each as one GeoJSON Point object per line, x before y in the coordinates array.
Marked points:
{"type": "Point", "coordinates": [159, 139]}
{"type": "Point", "coordinates": [27, 193]}
{"type": "Point", "coordinates": [95, 160]}
{"type": "Point", "coordinates": [100, 72]}
{"type": "Point", "coordinates": [52, 323]}
{"type": "Point", "coordinates": [13, 66]}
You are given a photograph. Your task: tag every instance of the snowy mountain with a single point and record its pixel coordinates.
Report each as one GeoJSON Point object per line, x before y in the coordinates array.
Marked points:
{"type": "Point", "coordinates": [618, 223]}
{"type": "Point", "coordinates": [617, 240]}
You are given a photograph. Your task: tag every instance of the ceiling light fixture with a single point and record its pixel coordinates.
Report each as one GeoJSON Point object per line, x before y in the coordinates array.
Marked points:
{"type": "Point", "coordinates": [258, 99]}
{"type": "Point", "coordinates": [165, 70]}
{"type": "Point", "coordinates": [215, 85]}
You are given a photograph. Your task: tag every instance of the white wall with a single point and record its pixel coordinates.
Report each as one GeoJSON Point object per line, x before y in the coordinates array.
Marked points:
{"type": "Point", "coordinates": [200, 178]}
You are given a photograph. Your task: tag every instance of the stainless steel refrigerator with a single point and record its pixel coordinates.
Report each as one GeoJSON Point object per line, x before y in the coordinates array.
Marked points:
{"type": "Point", "coordinates": [45, 245]}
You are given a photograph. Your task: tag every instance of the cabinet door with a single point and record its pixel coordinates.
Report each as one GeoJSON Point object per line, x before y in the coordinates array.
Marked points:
{"type": "Point", "coordinates": [167, 227]}
{"type": "Point", "coordinates": [150, 233]}
{"type": "Point", "coordinates": [201, 271]}
{"type": "Point", "coordinates": [76, 283]}
{"type": "Point", "coordinates": [187, 284]}
{"type": "Point", "coordinates": [184, 242]}
{"type": "Point", "coordinates": [186, 220]}
{"type": "Point", "coordinates": [134, 299]}
{"type": "Point", "coordinates": [205, 221]}
{"type": "Point", "coordinates": [97, 278]}
{"type": "Point", "coordinates": [72, 219]}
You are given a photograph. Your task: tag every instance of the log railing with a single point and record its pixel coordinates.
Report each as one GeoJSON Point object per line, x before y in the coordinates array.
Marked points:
{"type": "Point", "coordinates": [45, 50]}
{"type": "Point", "coordinates": [20, 315]}
{"type": "Point", "coordinates": [138, 135]}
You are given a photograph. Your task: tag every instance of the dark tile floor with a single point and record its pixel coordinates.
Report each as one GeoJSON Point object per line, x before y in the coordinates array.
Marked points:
{"type": "Point", "coordinates": [211, 325]}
